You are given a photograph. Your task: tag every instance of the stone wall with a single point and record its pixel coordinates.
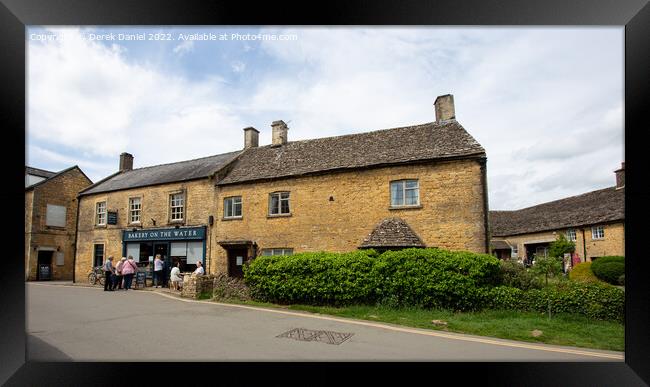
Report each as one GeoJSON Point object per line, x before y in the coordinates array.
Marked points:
{"type": "Point", "coordinates": [193, 286]}
{"type": "Point", "coordinates": [60, 190]}
{"type": "Point", "coordinates": [451, 214]}
{"type": "Point", "coordinates": [200, 199]}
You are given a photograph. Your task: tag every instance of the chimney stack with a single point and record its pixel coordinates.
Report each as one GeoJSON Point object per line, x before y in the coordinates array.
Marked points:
{"type": "Point", "coordinates": [251, 137]}
{"type": "Point", "coordinates": [620, 176]}
{"type": "Point", "coordinates": [279, 135]}
{"type": "Point", "coordinates": [126, 162]}
{"type": "Point", "coordinates": [444, 106]}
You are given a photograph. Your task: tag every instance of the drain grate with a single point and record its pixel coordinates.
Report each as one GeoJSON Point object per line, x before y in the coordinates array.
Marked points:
{"type": "Point", "coordinates": [329, 337]}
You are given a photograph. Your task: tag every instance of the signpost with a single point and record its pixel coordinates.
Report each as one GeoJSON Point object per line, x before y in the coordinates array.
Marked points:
{"type": "Point", "coordinates": [140, 279]}
{"type": "Point", "coordinates": [111, 217]}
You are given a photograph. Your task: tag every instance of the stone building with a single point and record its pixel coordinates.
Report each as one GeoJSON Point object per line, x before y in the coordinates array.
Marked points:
{"type": "Point", "coordinates": [414, 186]}
{"type": "Point", "coordinates": [50, 222]}
{"type": "Point", "coordinates": [595, 221]}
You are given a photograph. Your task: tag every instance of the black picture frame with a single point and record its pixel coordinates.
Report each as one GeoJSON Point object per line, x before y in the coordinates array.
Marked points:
{"type": "Point", "coordinates": [15, 15]}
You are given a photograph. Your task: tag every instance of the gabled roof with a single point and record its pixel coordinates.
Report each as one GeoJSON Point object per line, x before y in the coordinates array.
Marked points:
{"type": "Point", "coordinates": [601, 206]}
{"type": "Point", "coordinates": [392, 232]}
{"type": "Point", "coordinates": [55, 175]}
{"type": "Point", "coordinates": [38, 172]}
{"type": "Point", "coordinates": [160, 174]}
{"type": "Point", "coordinates": [430, 141]}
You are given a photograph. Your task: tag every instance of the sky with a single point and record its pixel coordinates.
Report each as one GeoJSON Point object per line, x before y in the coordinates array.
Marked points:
{"type": "Point", "coordinates": [545, 103]}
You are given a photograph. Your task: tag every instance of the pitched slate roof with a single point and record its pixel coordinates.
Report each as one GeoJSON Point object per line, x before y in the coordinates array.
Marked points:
{"type": "Point", "coordinates": [601, 206]}
{"type": "Point", "coordinates": [55, 174]}
{"type": "Point", "coordinates": [38, 172]}
{"type": "Point", "coordinates": [429, 141]}
{"type": "Point", "coordinates": [164, 173]}
{"type": "Point", "coordinates": [392, 232]}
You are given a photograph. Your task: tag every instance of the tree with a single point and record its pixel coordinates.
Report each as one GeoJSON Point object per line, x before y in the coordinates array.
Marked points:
{"type": "Point", "coordinates": [548, 266]}
{"type": "Point", "coordinates": [561, 246]}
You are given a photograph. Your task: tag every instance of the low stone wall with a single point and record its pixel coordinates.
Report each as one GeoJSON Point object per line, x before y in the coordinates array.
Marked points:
{"type": "Point", "coordinates": [193, 286]}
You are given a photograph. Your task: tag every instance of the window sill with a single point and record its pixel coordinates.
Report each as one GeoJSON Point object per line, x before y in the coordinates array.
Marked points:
{"type": "Point", "coordinates": [419, 206]}
{"type": "Point", "coordinates": [278, 216]}
{"type": "Point", "coordinates": [55, 228]}
{"type": "Point", "coordinates": [100, 226]}
{"type": "Point", "coordinates": [232, 218]}
{"type": "Point", "coordinates": [135, 224]}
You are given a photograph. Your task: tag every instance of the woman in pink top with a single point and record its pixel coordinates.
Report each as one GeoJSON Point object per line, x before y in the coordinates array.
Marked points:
{"type": "Point", "coordinates": [128, 269]}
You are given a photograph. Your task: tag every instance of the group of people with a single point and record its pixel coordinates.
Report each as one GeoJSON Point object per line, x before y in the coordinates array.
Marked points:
{"type": "Point", "coordinates": [122, 273]}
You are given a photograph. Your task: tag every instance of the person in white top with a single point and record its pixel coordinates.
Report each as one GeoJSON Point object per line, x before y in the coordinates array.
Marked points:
{"type": "Point", "coordinates": [175, 276]}
{"type": "Point", "coordinates": [199, 269]}
{"type": "Point", "coordinates": [157, 271]}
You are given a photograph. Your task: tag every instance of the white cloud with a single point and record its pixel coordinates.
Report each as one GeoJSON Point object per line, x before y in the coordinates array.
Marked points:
{"type": "Point", "coordinates": [184, 47]}
{"type": "Point", "coordinates": [546, 103]}
{"type": "Point", "coordinates": [89, 98]}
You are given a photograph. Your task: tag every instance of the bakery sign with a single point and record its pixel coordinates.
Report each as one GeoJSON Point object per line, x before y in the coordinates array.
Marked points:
{"type": "Point", "coordinates": [164, 234]}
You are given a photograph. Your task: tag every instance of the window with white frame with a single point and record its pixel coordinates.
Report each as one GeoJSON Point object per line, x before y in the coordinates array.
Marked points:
{"type": "Point", "coordinates": [514, 252]}
{"type": "Point", "coordinates": [404, 193]}
{"type": "Point", "coordinates": [177, 204]}
{"type": "Point", "coordinates": [135, 208]}
{"type": "Point", "coordinates": [571, 234]}
{"type": "Point", "coordinates": [279, 203]}
{"type": "Point", "coordinates": [277, 251]}
{"type": "Point", "coordinates": [232, 207]}
{"type": "Point", "coordinates": [598, 232]}
{"type": "Point", "coordinates": [101, 213]}
{"type": "Point", "coordinates": [55, 215]}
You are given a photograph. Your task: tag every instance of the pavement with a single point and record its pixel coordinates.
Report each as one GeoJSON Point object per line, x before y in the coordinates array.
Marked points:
{"type": "Point", "coordinates": [68, 322]}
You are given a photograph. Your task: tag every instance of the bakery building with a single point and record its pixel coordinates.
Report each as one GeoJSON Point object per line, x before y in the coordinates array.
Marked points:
{"type": "Point", "coordinates": [50, 222]}
{"type": "Point", "coordinates": [594, 221]}
{"type": "Point", "coordinates": [415, 186]}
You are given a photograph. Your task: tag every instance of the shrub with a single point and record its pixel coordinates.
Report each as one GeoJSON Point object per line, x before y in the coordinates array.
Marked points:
{"type": "Point", "coordinates": [514, 274]}
{"type": "Point", "coordinates": [435, 278]}
{"type": "Point", "coordinates": [595, 300]}
{"type": "Point", "coordinates": [621, 280]}
{"type": "Point", "coordinates": [547, 266]}
{"type": "Point", "coordinates": [502, 297]}
{"type": "Point", "coordinates": [582, 273]}
{"type": "Point", "coordinates": [410, 277]}
{"type": "Point", "coordinates": [314, 278]}
{"type": "Point", "coordinates": [609, 269]}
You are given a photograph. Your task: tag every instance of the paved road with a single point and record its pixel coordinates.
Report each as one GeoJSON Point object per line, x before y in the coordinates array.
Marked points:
{"type": "Point", "coordinates": [87, 324]}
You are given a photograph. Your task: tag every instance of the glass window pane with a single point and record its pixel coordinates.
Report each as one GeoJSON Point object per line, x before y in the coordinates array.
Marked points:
{"type": "Point", "coordinates": [411, 196]}
{"type": "Point", "coordinates": [397, 193]}
{"type": "Point", "coordinates": [237, 209]}
{"type": "Point", "coordinates": [133, 249]}
{"type": "Point", "coordinates": [285, 207]}
{"type": "Point", "coordinates": [178, 249]}
{"type": "Point", "coordinates": [227, 207]}
{"type": "Point", "coordinates": [411, 183]}
{"type": "Point", "coordinates": [274, 204]}
{"type": "Point", "coordinates": [194, 252]}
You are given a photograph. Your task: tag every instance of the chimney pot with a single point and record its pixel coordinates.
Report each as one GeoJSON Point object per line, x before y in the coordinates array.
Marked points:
{"type": "Point", "coordinates": [620, 176]}
{"type": "Point", "coordinates": [279, 134]}
{"type": "Point", "coordinates": [126, 162]}
{"type": "Point", "coordinates": [251, 137]}
{"type": "Point", "coordinates": [444, 107]}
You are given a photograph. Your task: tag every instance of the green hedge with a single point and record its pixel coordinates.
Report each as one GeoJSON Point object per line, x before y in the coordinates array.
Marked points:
{"type": "Point", "coordinates": [429, 278]}
{"type": "Point", "coordinates": [582, 273]}
{"type": "Point", "coordinates": [609, 268]}
{"type": "Point", "coordinates": [314, 278]}
{"type": "Point", "coordinates": [595, 300]}
{"type": "Point", "coordinates": [424, 277]}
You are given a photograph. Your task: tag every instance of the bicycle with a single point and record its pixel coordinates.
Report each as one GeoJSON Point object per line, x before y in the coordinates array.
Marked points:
{"type": "Point", "coordinates": [96, 274]}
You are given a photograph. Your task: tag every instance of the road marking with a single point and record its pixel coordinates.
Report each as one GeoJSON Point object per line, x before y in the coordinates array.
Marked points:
{"type": "Point", "coordinates": [387, 327]}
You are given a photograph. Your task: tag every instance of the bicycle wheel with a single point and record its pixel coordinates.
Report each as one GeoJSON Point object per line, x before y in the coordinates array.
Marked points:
{"type": "Point", "coordinates": [92, 278]}
{"type": "Point", "coordinates": [102, 279]}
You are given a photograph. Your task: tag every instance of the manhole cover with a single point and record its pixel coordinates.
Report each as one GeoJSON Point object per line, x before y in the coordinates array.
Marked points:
{"type": "Point", "coordinates": [328, 337]}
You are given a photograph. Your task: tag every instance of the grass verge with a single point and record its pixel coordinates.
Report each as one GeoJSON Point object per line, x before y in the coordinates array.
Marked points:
{"type": "Point", "coordinates": [560, 329]}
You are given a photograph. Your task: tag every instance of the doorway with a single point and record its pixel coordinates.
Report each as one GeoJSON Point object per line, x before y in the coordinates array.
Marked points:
{"type": "Point", "coordinates": [162, 249]}
{"type": "Point", "coordinates": [44, 269]}
{"type": "Point", "coordinates": [236, 259]}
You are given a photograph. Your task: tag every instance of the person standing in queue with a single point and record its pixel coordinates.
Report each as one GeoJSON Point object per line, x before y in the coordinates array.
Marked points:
{"type": "Point", "coordinates": [157, 270]}
{"type": "Point", "coordinates": [128, 270]}
{"type": "Point", "coordinates": [108, 274]}
{"type": "Point", "coordinates": [117, 278]}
